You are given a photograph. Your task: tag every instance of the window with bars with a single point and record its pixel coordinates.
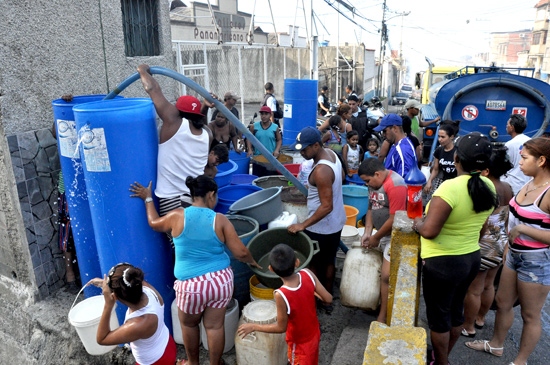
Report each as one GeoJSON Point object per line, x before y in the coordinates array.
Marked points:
{"type": "Point", "coordinates": [141, 28]}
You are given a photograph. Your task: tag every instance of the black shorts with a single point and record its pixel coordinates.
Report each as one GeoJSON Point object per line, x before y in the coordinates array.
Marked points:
{"type": "Point", "coordinates": [328, 245]}
{"type": "Point", "coordinates": [445, 280]}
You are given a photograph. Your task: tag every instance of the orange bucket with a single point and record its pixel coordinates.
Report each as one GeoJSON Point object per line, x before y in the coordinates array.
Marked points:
{"type": "Point", "coordinates": [351, 214]}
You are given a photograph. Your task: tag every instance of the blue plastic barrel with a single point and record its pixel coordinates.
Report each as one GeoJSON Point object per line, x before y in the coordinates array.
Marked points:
{"type": "Point", "coordinates": [75, 190]}
{"type": "Point", "coordinates": [357, 197]}
{"type": "Point", "coordinates": [247, 228]}
{"type": "Point", "coordinates": [242, 161]}
{"type": "Point", "coordinates": [225, 173]}
{"type": "Point", "coordinates": [243, 179]}
{"type": "Point", "coordinates": [119, 145]}
{"type": "Point", "coordinates": [300, 108]}
{"type": "Point", "coordinates": [231, 193]}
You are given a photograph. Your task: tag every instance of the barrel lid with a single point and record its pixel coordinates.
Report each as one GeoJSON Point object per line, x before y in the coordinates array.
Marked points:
{"type": "Point", "coordinates": [260, 311]}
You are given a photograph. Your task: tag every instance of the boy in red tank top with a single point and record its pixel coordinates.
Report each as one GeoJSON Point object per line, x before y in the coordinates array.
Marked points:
{"type": "Point", "coordinates": [296, 312]}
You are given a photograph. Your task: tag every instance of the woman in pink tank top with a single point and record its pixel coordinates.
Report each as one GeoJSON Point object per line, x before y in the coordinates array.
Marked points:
{"type": "Point", "coordinates": [527, 271]}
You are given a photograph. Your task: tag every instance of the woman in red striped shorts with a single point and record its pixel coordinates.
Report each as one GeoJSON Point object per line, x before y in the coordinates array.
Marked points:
{"type": "Point", "coordinates": [204, 284]}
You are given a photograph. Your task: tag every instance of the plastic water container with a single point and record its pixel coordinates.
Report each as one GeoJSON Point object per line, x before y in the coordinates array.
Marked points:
{"type": "Point", "coordinates": [176, 333]}
{"type": "Point", "coordinates": [241, 160]}
{"type": "Point", "coordinates": [75, 189]}
{"type": "Point", "coordinates": [243, 179]}
{"type": "Point", "coordinates": [246, 228]}
{"type": "Point", "coordinates": [119, 145]}
{"type": "Point", "coordinates": [360, 283]}
{"type": "Point", "coordinates": [355, 180]}
{"type": "Point", "coordinates": [85, 318]}
{"type": "Point", "coordinates": [225, 173]}
{"type": "Point", "coordinates": [351, 214]}
{"type": "Point", "coordinates": [260, 347]}
{"type": "Point", "coordinates": [258, 291]}
{"type": "Point", "coordinates": [414, 180]}
{"type": "Point", "coordinates": [358, 197]}
{"type": "Point", "coordinates": [284, 220]}
{"type": "Point", "coordinates": [229, 326]}
{"type": "Point", "coordinates": [300, 108]}
{"type": "Point", "coordinates": [229, 194]}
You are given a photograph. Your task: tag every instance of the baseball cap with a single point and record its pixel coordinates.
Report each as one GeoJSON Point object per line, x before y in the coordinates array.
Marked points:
{"type": "Point", "coordinates": [230, 95]}
{"type": "Point", "coordinates": [265, 108]}
{"type": "Point", "coordinates": [189, 104]}
{"type": "Point", "coordinates": [474, 147]}
{"type": "Point", "coordinates": [389, 120]}
{"type": "Point", "coordinates": [306, 137]}
{"type": "Point", "coordinates": [412, 103]}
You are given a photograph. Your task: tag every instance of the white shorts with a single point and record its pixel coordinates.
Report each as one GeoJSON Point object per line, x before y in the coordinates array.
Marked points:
{"type": "Point", "coordinates": [385, 247]}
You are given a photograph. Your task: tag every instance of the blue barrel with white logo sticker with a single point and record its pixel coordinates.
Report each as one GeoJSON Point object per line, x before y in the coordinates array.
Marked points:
{"type": "Point", "coordinates": [300, 108]}
{"type": "Point", "coordinates": [118, 143]}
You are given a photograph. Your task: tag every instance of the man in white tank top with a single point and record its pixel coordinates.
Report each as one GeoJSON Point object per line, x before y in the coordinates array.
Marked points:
{"type": "Point", "coordinates": [183, 146]}
{"type": "Point", "coordinates": [325, 204]}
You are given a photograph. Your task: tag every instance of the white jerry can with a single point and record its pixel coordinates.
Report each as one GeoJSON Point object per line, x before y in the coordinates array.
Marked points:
{"type": "Point", "coordinates": [260, 347]}
{"type": "Point", "coordinates": [360, 284]}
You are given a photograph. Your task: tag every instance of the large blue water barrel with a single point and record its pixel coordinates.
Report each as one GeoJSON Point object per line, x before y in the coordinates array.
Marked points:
{"type": "Point", "coordinates": [75, 190]}
{"type": "Point", "coordinates": [300, 108]}
{"type": "Point", "coordinates": [119, 145]}
{"type": "Point", "coordinates": [246, 228]}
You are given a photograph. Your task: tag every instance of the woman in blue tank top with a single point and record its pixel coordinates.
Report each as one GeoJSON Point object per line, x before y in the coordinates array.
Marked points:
{"type": "Point", "coordinates": [204, 279]}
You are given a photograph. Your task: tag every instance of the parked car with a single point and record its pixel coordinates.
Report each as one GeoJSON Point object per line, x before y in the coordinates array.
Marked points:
{"type": "Point", "coordinates": [399, 99]}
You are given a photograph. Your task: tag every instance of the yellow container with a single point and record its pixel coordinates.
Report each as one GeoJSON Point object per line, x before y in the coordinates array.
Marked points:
{"type": "Point", "coordinates": [351, 214]}
{"type": "Point", "coordinates": [360, 223]}
{"type": "Point", "coordinates": [260, 291]}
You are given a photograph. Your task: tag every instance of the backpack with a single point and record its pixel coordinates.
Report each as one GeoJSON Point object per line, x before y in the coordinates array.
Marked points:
{"type": "Point", "coordinates": [277, 114]}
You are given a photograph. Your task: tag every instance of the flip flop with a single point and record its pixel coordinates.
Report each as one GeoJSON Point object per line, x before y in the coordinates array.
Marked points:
{"type": "Point", "coordinates": [467, 334]}
{"type": "Point", "coordinates": [483, 345]}
{"type": "Point", "coordinates": [478, 326]}
{"type": "Point", "coordinates": [182, 362]}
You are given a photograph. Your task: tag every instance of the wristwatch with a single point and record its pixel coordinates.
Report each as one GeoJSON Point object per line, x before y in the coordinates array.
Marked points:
{"type": "Point", "coordinates": [148, 200]}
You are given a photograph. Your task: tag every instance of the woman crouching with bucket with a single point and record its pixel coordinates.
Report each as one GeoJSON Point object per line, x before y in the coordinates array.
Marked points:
{"type": "Point", "coordinates": [144, 326]}
{"type": "Point", "coordinates": [204, 279]}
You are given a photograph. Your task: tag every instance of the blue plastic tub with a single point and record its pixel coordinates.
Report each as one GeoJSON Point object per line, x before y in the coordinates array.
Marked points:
{"type": "Point", "coordinates": [225, 173]}
{"type": "Point", "coordinates": [357, 197]}
{"type": "Point", "coordinates": [243, 179]}
{"type": "Point", "coordinates": [243, 162]}
{"type": "Point", "coordinates": [355, 180]}
{"type": "Point", "coordinates": [246, 228]}
{"type": "Point", "coordinates": [119, 145]}
{"type": "Point", "coordinates": [231, 193]}
{"type": "Point", "coordinates": [75, 189]}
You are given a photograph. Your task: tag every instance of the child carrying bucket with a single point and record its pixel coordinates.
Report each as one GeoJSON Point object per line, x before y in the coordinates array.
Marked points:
{"type": "Point", "coordinates": [296, 312]}
{"type": "Point", "coordinates": [144, 326]}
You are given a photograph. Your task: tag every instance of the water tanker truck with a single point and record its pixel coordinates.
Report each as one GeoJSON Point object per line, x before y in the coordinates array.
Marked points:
{"type": "Point", "coordinates": [483, 98]}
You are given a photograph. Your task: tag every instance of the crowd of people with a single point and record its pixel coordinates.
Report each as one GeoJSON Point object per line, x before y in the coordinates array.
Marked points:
{"type": "Point", "coordinates": [479, 219]}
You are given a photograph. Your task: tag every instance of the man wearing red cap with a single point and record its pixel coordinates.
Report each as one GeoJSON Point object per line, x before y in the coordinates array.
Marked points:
{"type": "Point", "coordinates": [267, 132]}
{"type": "Point", "coordinates": [183, 146]}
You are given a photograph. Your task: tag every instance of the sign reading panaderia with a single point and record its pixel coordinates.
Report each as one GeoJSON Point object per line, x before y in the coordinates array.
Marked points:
{"type": "Point", "coordinates": [228, 24]}
{"type": "Point", "coordinates": [495, 104]}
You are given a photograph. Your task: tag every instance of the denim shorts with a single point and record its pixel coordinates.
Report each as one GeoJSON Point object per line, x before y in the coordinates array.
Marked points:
{"type": "Point", "coordinates": [531, 267]}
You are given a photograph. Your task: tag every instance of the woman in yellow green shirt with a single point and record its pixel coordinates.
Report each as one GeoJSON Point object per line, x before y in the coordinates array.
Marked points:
{"type": "Point", "coordinates": [450, 233]}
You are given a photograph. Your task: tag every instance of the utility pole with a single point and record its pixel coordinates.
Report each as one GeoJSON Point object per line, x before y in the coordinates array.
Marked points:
{"type": "Point", "coordinates": [382, 45]}
{"type": "Point", "coordinates": [403, 15]}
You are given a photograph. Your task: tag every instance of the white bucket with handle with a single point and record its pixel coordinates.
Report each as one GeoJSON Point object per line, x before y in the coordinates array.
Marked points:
{"type": "Point", "coordinates": [85, 318]}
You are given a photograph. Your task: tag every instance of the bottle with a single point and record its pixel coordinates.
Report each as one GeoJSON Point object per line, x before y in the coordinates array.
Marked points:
{"type": "Point", "coordinates": [414, 180]}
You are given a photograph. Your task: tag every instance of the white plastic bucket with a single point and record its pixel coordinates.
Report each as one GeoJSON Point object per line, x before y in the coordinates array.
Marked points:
{"type": "Point", "coordinates": [176, 325]}
{"type": "Point", "coordinates": [85, 318]}
{"type": "Point", "coordinates": [230, 326]}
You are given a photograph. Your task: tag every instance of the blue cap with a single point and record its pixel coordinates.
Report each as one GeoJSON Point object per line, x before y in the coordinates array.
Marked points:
{"type": "Point", "coordinates": [389, 120]}
{"type": "Point", "coordinates": [306, 137]}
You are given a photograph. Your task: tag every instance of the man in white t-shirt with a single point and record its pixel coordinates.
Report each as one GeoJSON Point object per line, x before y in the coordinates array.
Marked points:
{"type": "Point", "coordinates": [515, 127]}
{"type": "Point", "coordinates": [271, 102]}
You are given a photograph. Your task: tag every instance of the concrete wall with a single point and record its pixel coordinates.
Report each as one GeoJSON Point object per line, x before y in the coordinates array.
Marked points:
{"type": "Point", "coordinates": [49, 48]}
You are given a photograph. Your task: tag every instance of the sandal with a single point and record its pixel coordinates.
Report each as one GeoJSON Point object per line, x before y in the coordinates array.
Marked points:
{"type": "Point", "coordinates": [182, 362]}
{"type": "Point", "coordinates": [467, 334]}
{"type": "Point", "coordinates": [483, 345]}
{"type": "Point", "coordinates": [478, 326]}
